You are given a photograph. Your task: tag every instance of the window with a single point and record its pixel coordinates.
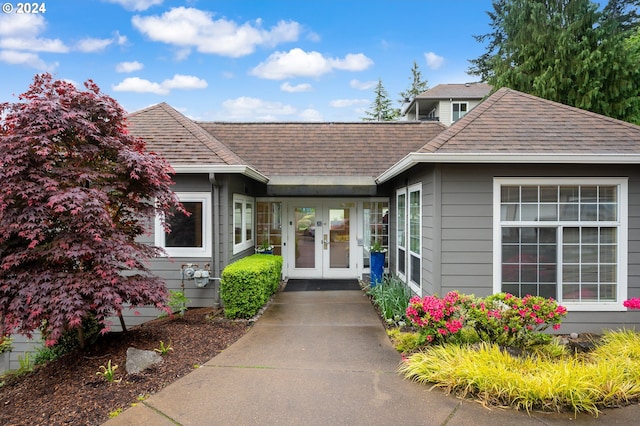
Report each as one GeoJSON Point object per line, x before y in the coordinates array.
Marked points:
{"type": "Point", "coordinates": [459, 109]}
{"type": "Point", "coordinates": [376, 227]}
{"type": "Point", "coordinates": [269, 224]}
{"type": "Point", "coordinates": [409, 235]}
{"type": "Point", "coordinates": [415, 234]}
{"type": "Point", "coordinates": [401, 240]}
{"type": "Point", "coordinates": [190, 234]}
{"type": "Point", "coordinates": [242, 222]}
{"type": "Point", "coordinates": [562, 238]}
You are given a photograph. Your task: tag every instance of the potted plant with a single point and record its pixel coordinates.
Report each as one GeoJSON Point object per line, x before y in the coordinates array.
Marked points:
{"type": "Point", "coordinates": [377, 254]}
{"type": "Point", "coordinates": [5, 351]}
{"type": "Point", "coordinates": [265, 247]}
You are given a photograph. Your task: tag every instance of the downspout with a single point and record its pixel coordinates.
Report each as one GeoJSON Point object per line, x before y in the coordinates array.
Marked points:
{"type": "Point", "coordinates": [215, 270]}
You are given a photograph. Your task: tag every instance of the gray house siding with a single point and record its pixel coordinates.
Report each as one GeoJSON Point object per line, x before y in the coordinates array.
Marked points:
{"type": "Point", "coordinates": [457, 228]}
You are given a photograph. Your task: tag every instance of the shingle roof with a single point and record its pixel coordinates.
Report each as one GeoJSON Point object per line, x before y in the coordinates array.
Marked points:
{"type": "Point", "coordinates": [514, 122]}
{"type": "Point", "coordinates": [178, 139]}
{"type": "Point", "coordinates": [323, 149]}
{"type": "Point", "coordinates": [457, 91]}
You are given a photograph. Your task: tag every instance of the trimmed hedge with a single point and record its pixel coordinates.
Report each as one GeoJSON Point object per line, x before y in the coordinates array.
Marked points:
{"type": "Point", "coordinates": [248, 283]}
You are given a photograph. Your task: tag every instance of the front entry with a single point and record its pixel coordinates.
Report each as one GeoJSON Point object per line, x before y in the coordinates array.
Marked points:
{"type": "Point", "coordinates": [321, 236]}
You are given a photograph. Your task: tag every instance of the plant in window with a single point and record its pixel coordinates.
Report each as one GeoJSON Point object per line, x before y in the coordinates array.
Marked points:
{"type": "Point", "coordinates": [265, 247]}
{"type": "Point", "coordinates": [377, 247]}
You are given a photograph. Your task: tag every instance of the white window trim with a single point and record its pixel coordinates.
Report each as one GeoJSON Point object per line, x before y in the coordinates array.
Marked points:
{"type": "Point", "coordinates": [245, 244]}
{"type": "Point", "coordinates": [399, 192]}
{"type": "Point", "coordinates": [417, 187]}
{"type": "Point", "coordinates": [205, 250]}
{"type": "Point", "coordinates": [621, 224]}
{"type": "Point", "coordinates": [459, 103]}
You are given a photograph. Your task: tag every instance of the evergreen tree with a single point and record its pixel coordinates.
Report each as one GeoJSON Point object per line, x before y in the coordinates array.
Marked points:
{"type": "Point", "coordinates": [381, 109]}
{"type": "Point", "coordinates": [418, 85]}
{"type": "Point", "coordinates": [563, 50]}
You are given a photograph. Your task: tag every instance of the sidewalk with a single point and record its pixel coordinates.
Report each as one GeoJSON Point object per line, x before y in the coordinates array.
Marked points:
{"type": "Point", "coordinates": [322, 358]}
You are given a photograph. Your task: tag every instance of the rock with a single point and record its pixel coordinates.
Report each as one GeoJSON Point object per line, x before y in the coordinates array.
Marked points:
{"type": "Point", "coordinates": [139, 360]}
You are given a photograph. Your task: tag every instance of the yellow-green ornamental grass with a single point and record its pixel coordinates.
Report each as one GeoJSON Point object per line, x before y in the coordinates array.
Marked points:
{"type": "Point", "coordinates": [550, 379]}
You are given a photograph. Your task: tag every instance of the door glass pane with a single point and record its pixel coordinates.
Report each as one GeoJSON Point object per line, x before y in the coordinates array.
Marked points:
{"type": "Point", "coordinates": [305, 229]}
{"type": "Point", "coordinates": [339, 238]}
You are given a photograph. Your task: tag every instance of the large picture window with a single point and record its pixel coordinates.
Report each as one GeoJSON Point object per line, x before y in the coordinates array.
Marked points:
{"type": "Point", "coordinates": [190, 234]}
{"type": "Point", "coordinates": [562, 238]}
{"type": "Point", "coordinates": [242, 222]}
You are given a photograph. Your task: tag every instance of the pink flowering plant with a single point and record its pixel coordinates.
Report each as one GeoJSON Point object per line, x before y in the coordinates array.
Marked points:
{"type": "Point", "coordinates": [438, 319]}
{"type": "Point", "coordinates": [513, 321]}
{"type": "Point", "coordinates": [633, 303]}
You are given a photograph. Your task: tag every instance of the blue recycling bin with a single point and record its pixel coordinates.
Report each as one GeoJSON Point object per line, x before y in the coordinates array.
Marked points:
{"type": "Point", "coordinates": [377, 268]}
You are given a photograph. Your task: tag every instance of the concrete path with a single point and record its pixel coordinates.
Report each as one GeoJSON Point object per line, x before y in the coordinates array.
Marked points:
{"type": "Point", "coordinates": [322, 358]}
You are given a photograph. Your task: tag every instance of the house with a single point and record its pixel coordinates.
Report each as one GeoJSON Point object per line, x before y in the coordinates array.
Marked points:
{"type": "Point", "coordinates": [446, 103]}
{"type": "Point", "coordinates": [521, 195]}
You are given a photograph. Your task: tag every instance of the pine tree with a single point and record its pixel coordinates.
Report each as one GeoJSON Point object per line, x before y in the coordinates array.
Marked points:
{"type": "Point", "coordinates": [381, 109]}
{"type": "Point", "coordinates": [417, 87]}
{"type": "Point", "coordinates": [563, 50]}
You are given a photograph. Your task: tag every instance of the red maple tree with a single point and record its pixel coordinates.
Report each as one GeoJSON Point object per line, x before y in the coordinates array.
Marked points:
{"type": "Point", "coordinates": [76, 192]}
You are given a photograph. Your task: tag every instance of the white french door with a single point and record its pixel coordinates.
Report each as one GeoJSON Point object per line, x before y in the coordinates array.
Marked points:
{"type": "Point", "coordinates": [321, 242]}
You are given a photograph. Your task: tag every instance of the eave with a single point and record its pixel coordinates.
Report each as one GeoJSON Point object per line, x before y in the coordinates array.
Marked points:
{"type": "Point", "coordinates": [221, 168]}
{"type": "Point", "coordinates": [415, 158]}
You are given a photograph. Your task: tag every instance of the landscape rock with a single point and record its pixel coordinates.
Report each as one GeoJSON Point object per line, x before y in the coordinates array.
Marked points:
{"type": "Point", "coordinates": [139, 360]}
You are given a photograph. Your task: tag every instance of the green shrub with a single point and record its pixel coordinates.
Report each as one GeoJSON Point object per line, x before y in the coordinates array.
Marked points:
{"type": "Point", "coordinates": [69, 341]}
{"type": "Point", "coordinates": [247, 284]}
{"type": "Point", "coordinates": [392, 298]}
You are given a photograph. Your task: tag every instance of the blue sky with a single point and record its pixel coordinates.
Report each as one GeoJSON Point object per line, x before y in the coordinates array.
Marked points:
{"type": "Point", "coordinates": [241, 60]}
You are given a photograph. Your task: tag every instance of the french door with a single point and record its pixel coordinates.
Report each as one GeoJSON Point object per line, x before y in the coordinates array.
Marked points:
{"type": "Point", "coordinates": [321, 240]}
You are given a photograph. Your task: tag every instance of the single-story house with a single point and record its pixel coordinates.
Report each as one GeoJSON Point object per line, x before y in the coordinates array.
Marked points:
{"type": "Point", "coordinates": [521, 195]}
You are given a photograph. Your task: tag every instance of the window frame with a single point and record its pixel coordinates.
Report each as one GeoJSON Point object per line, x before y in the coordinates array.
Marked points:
{"type": "Point", "coordinates": [411, 255]}
{"type": "Point", "coordinates": [401, 219]}
{"type": "Point", "coordinates": [621, 224]}
{"type": "Point", "coordinates": [466, 103]}
{"type": "Point", "coordinates": [207, 239]}
{"type": "Point", "coordinates": [246, 243]}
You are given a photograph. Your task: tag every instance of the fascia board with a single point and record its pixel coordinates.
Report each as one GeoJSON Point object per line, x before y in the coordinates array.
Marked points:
{"type": "Point", "coordinates": [414, 158]}
{"type": "Point", "coordinates": [221, 168]}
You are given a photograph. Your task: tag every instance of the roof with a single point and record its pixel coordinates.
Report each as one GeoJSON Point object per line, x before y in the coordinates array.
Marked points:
{"type": "Point", "coordinates": [323, 149]}
{"type": "Point", "coordinates": [457, 91]}
{"type": "Point", "coordinates": [514, 122]}
{"type": "Point", "coordinates": [514, 127]}
{"type": "Point", "coordinates": [184, 144]}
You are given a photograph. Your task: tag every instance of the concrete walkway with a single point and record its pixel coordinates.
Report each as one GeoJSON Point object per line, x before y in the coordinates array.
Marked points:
{"type": "Point", "coordinates": [322, 358]}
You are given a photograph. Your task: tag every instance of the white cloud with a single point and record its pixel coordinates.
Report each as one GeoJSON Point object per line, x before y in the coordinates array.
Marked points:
{"type": "Point", "coordinates": [129, 66]}
{"type": "Point", "coordinates": [246, 108]}
{"type": "Point", "coordinates": [91, 45]}
{"type": "Point", "coordinates": [303, 87]}
{"type": "Point", "coordinates": [344, 103]}
{"type": "Point", "coordinates": [311, 114]}
{"type": "Point", "coordinates": [190, 27]}
{"type": "Point", "coordinates": [298, 63]}
{"type": "Point", "coordinates": [184, 82]}
{"type": "Point", "coordinates": [21, 25]}
{"type": "Point", "coordinates": [141, 85]}
{"type": "Point", "coordinates": [120, 39]}
{"type": "Point", "coordinates": [433, 61]}
{"type": "Point", "coordinates": [137, 5]}
{"type": "Point", "coordinates": [19, 38]}
{"type": "Point", "coordinates": [24, 58]}
{"type": "Point", "coordinates": [362, 85]}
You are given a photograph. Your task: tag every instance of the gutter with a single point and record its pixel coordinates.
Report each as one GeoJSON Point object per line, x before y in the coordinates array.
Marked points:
{"type": "Point", "coordinates": [221, 168]}
{"type": "Point", "coordinates": [415, 158]}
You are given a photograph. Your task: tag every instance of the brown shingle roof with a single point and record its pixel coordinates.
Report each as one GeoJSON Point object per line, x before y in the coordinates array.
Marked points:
{"type": "Point", "coordinates": [457, 91]}
{"type": "Point", "coordinates": [323, 149]}
{"type": "Point", "coordinates": [514, 122]}
{"type": "Point", "coordinates": [178, 139]}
